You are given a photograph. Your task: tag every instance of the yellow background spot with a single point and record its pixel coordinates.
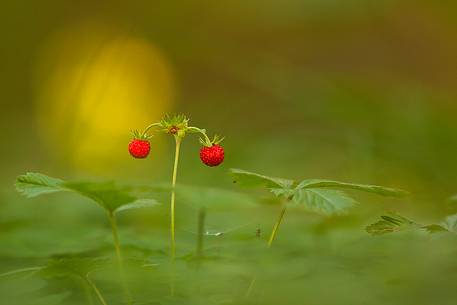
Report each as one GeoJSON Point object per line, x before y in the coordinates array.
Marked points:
{"type": "Point", "coordinates": [95, 85]}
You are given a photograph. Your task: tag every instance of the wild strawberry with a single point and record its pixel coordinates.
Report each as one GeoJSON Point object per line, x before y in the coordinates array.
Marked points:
{"type": "Point", "coordinates": [139, 148]}
{"type": "Point", "coordinates": [212, 155]}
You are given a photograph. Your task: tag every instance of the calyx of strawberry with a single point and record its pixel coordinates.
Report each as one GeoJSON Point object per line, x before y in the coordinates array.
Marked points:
{"type": "Point", "coordinates": [178, 126]}
{"type": "Point", "coordinates": [208, 143]}
{"type": "Point", "coordinates": [140, 135]}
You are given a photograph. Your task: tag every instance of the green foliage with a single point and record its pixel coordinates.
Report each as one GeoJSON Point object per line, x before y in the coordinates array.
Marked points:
{"type": "Point", "coordinates": [35, 184]}
{"type": "Point", "coordinates": [72, 266]}
{"type": "Point", "coordinates": [375, 189]}
{"type": "Point", "coordinates": [107, 195]}
{"type": "Point", "coordinates": [393, 222]}
{"type": "Point", "coordinates": [318, 195]}
{"type": "Point", "coordinates": [323, 201]}
{"type": "Point", "coordinates": [246, 178]}
{"type": "Point", "coordinates": [208, 197]}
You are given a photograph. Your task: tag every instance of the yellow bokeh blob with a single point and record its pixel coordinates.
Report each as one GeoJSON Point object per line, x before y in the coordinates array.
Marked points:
{"type": "Point", "coordinates": [95, 84]}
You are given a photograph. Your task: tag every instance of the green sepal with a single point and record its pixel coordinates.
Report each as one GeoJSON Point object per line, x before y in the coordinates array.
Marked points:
{"type": "Point", "coordinates": [208, 143]}
{"type": "Point", "coordinates": [140, 135]}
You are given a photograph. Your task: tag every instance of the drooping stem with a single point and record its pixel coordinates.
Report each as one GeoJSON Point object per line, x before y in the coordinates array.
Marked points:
{"type": "Point", "coordinates": [173, 195]}
{"type": "Point", "coordinates": [201, 231]}
{"type": "Point", "coordinates": [276, 226]}
{"type": "Point", "coordinates": [150, 126]}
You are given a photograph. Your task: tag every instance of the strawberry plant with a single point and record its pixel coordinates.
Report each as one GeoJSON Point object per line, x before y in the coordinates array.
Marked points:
{"type": "Point", "coordinates": [111, 198]}
{"type": "Point", "coordinates": [211, 153]}
{"type": "Point", "coordinates": [317, 195]}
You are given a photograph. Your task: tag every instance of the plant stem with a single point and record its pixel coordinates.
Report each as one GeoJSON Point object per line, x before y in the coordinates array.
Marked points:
{"type": "Point", "coordinates": [201, 231]}
{"type": "Point", "coordinates": [120, 261]}
{"type": "Point", "coordinates": [276, 226]}
{"type": "Point", "coordinates": [172, 203]}
{"type": "Point", "coordinates": [97, 292]}
{"type": "Point", "coordinates": [117, 244]}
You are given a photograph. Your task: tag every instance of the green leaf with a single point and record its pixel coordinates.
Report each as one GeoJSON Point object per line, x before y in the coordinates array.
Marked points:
{"type": "Point", "coordinates": [323, 200]}
{"type": "Point", "coordinates": [450, 223]}
{"type": "Point", "coordinates": [286, 193]}
{"type": "Point", "coordinates": [138, 204]}
{"type": "Point", "coordinates": [198, 197]}
{"type": "Point", "coordinates": [323, 183]}
{"type": "Point", "coordinates": [435, 228]}
{"type": "Point", "coordinates": [252, 179]}
{"type": "Point", "coordinates": [35, 184]}
{"type": "Point", "coordinates": [79, 266]}
{"type": "Point", "coordinates": [392, 222]}
{"type": "Point", "coordinates": [106, 194]}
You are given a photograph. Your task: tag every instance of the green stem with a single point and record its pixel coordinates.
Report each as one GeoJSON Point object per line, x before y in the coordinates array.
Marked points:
{"type": "Point", "coordinates": [150, 126]}
{"type": "Point", "coordinates": [87, 291]}
{"type": "Point", "coordinates": [97, 292]}
{"type": "Point", "coordinates": [202, 131]}
{"type": "Point", "coordinates": [276, 226]}
{"type": "Point", "coordinates": [117, 246]}
{"type": "Point", "coordinates": [173, 195]}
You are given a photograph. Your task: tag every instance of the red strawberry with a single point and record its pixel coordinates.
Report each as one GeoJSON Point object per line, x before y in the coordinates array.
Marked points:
{"type": "Point", "coordinates": [139, 148]}
{"type": "Point", "coordinates": [212, 155]}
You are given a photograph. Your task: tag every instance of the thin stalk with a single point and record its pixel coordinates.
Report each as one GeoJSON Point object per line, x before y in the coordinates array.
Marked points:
{"type": "Point", "coordinates": [120, 261]}
{"type": "Point", "coordinates": [200, 231]}
{"type": "Point", "coordinates": [276, 226]}
{"type": "Point", "coordinates": [87, 290]}
{"type": "Point", "coordinates": [117, 245]}
{"type": "Point", "coordinates": [97, 292]}
{"type": "Point", "coordinates": [172, 203]}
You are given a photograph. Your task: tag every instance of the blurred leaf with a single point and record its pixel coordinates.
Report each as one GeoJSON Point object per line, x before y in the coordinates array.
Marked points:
{"type": "Point", "coordinates": [380, 190]}
{"type": "Point", "coordinates": [105, 194]}
{"type": "Point", "coordinates": [450, 223]}
{"type": "Point", "coordinates": [246, 178]}
{"type": "Point", "coordinates": [323, 201]}
{"type": "Point", "coordinates": [197, 197]}
{"type": "Point", "coordinates": [434, 228]}
{"type": "Point", "coordinates": [34, 184]}
{"type": "Point", "coordinates": [138, 204]}
{"type": "Point", "coordinates": [392, 222]}
{"type": "Point", "coordinates": [79, 266]}
{"type": "Point", "coordinates": [286, 193]}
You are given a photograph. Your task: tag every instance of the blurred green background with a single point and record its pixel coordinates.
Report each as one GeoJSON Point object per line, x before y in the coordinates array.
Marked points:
{"type": "Point", "coordinates": [361, 91]}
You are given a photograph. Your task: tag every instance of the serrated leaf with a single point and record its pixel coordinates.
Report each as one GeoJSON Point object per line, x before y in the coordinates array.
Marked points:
{"type": "Point", "coordinates": [376, 189]}
{"type": "Point", "coordinates": [35, 184]}
{"type": "Point", "coordinates": [285, 193]}
{"type": "Point", "coordinates": [392, 222]}
{"type": "Point", "coordinates": [252, 179]}
{"type": "Point", "coordinates": [106, 194]}
{"type": "Point", "coordinates": [323, 200]}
